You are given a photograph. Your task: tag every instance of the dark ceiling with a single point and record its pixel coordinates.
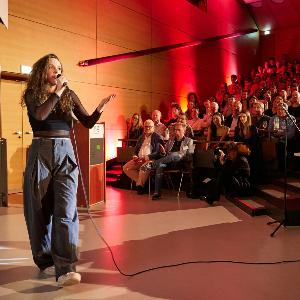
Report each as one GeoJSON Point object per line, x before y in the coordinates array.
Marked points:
{"type": "Point", "coordinates": [274, 14]}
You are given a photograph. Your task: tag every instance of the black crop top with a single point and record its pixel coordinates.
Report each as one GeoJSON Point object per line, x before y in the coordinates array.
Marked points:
{"type": "Point", "coordinates": [44, 117]}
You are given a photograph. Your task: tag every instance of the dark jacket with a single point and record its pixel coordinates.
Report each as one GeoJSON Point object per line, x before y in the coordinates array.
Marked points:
{"type": "Point", "coordinates": [155, 141]}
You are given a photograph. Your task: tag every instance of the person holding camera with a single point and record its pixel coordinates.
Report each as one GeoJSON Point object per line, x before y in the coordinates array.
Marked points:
{"type": "Point", "coordinates": [232, 175]}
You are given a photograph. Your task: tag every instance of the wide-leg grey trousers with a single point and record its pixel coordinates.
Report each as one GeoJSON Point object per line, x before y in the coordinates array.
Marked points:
{"type": "Point", "coordinates": [50, 187]}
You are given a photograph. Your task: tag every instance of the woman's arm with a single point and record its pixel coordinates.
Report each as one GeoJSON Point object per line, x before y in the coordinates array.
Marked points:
{"type": "Point", "coordinates": [42, 111]}
{"type": "Point", "coordinates": [82, 115]}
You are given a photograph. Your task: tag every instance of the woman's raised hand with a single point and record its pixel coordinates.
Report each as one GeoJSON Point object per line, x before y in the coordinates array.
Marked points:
{"type": "Point", "coordinates": [104, 102]}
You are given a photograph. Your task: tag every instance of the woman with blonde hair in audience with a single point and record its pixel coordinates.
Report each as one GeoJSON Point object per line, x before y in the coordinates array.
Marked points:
{"type": "Point", "coordinates": [135, 128]}
{"type": "Point", "coordinates": [294, 108]}
{"type": "Point", "coordinates": [245, 131]}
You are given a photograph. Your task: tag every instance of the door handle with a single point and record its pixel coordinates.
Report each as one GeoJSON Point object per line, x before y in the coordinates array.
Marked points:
{"type": "Point", "coordinates": [28, 132]}
{"type": "Point", "coordinates": [18, 132]}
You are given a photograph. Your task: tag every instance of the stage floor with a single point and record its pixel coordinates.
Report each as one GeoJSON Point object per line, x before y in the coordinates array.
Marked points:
{"type": "Point", "coordinates": [146, 234]}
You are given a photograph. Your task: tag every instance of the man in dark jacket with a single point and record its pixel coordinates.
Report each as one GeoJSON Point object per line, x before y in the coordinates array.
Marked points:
{"type": "Point", "coordinates": [147, 148]}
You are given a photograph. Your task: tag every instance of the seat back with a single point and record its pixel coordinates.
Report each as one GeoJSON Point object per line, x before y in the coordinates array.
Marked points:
{"type": "Point", "coordinates": [203, 158]}
{"type": "Point", "coordinates": [124, 154]}
{"type": "Point", "coordinates": [268, 150]}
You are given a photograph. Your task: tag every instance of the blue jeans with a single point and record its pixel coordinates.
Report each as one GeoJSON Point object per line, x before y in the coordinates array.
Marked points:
{"type": "Point", "coordinates": [161, 164]}
{"type": "Point", "coordinates": [50, 187]}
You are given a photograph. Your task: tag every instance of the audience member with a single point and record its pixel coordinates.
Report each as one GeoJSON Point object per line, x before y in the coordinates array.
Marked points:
{"type": "Point", "coordinates": [217, 131]}
{"type": "Point", "coordinates": [232, 120]}
{"type": "Point", "coordinates": [175, 111]}
{"type": "Point", "coordinates": [281, 129]}
{"type": "Point", "coordinates": [178, 149]}
{"type": "Point", "coordinates": [159, 127]}
{"type": "Point", "coordinates": [147, 148]}
{"type": "Point", "coordinates": [135, 128]}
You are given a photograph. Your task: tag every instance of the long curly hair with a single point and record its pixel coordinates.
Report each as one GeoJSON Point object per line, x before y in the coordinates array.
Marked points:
{"type": "Point", "coordinates": [37, 85]}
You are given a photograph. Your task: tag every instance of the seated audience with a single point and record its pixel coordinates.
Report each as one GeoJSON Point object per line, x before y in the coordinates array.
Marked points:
{"type": "Point", "coordinates": [207, 118]}
{"type": "Point", "coordinates": [273, 110]}
{"type": "Point", "coordinates": [159, 127]}
{"type": "Point", "coordinates": [244, 100]}
{"type": "Point", "coordinates": [205, 108]}
{"type": "Point", "coordinates": [232, 120]}
{"type": "Point", "coordinates": [232, 178]}
{"type": "Point", "coordinates": [281, 128]}
{"type": "Point", "coordinates": [245, 132]}
{"type": "Point", "coordinates": [220, 93]}
{"type": "Point", "coordinates": [188, 129]}
{"type": "Point", "coordinates": [175, 111]}
{"type": "Point", "coordinates": [217, 131]}
{"type": "Point", "coordinates": [260, 120]}
{"type": "Point", "coordinates": [147, 148]}
{"type": "Point", "coordinates": [135, 128]}
{"type": "Point", "coordinates": [252, 101]}
{"type": "Point", "coordinates": [192, 102]}
{"type": "Point", "coordinates": [227, 109]}
{"type": "Point", "coordinates": [294, 108]}
{"type": "Point", "coordinates": [234, 88]}
{"type": "Point", "coordinates": [195, 122]}
{"type": "Point", "coordinates": [178, 149]}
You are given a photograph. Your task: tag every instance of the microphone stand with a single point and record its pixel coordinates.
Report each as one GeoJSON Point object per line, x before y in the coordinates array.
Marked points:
{"type": "Point", "coordinates": [284, 222]}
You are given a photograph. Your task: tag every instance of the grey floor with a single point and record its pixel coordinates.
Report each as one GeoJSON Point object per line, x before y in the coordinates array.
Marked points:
{"type": "Point", "coordinates": [144, 234]}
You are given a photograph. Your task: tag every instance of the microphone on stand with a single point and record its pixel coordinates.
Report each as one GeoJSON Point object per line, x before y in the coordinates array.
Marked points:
{"type": "Point", "coordinates": [283, 106]}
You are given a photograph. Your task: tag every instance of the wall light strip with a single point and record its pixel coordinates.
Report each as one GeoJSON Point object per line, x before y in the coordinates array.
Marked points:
{"type": "Point", "coordinates": [105, 59]}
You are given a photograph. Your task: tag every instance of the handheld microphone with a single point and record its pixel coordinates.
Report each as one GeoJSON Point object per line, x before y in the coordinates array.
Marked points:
{"type": "Point", "coordinates": [65, 83]}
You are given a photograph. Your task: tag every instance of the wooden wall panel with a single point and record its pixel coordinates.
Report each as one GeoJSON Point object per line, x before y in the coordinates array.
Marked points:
{"type": "Point", "coordinates": [164, 34]}
{"type": "Point", "coordinates": [179, 19]}
{"type": "Point", "coordinates": [162, 76]}
{"type": "Point", "coordinates": [25, 42]}
{"type": "Point", "coordinates": [142, 7]}
{"type": "Point", "coordinates": [11, 123]}
{"type": "Point", "coordinates": [121, 26]}
{"type": "Point", "coordinates": [74, 16]}
{"type": "Point", "coordinates": [132, 74]}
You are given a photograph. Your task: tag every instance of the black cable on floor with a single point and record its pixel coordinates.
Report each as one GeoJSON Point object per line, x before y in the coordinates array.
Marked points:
{"type": "Point", "coordinates": [164, 266]}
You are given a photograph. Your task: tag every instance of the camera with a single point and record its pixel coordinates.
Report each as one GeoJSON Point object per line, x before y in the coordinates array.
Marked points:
{"type": "Point", "coordinates": [217, 153]}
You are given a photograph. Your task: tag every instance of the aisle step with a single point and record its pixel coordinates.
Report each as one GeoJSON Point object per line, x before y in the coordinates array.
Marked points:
{"type": "Point", "coordinates": [251, 205]}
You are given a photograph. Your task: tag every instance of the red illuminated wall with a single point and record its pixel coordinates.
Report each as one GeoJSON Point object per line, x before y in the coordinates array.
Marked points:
{"type": "Point", "coordinates": [152, 82]}
{"type": "Point", "coordinates": [280, 42]}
